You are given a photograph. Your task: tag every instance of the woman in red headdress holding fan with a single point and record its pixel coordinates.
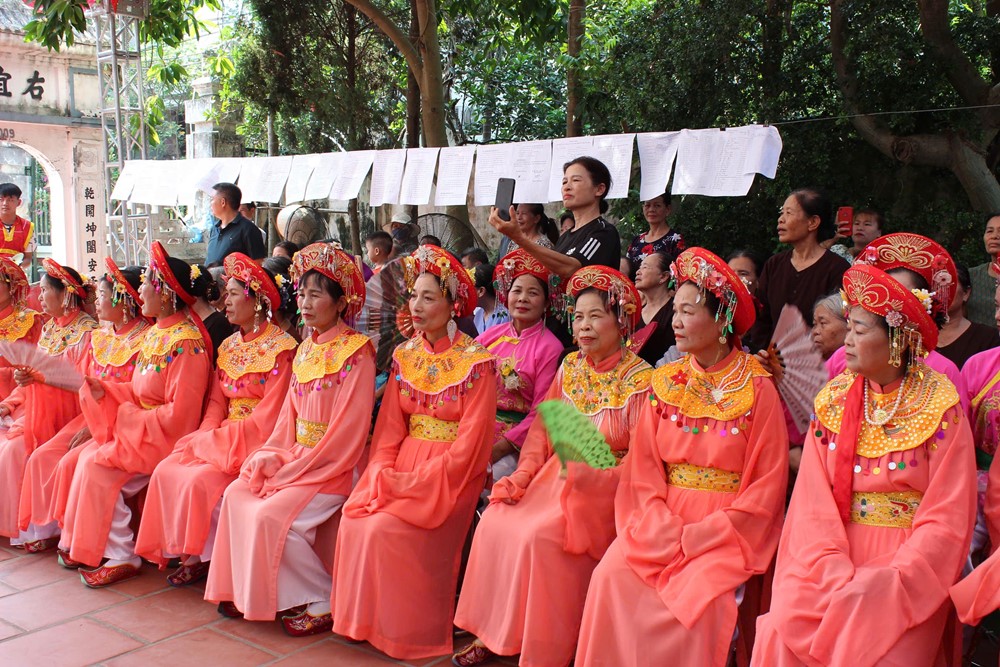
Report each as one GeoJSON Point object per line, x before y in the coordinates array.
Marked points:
{"type": "Point", "coordinates": [47, 409]}
{"type": "Point", "coordinates": [400, 541]}
{"type": "Point", "coordinates": [17, 321]}
{"type": "Point", "coordinates": [548, 524]}
{"type": "Point", "coordinates": [699, 506]}
{"type": "Point", "coordinates": [114, 349]}
{"type": "Point", "coordinates": [275, 539]}
{"type": "Point", "coordinates": [880, 520]}
{"type": "Point", "coordinates": [181, 514]}
{"type": "Point", "coordinates": [136, 424]}
{"type": "Point", "coordinates": [527, 352]}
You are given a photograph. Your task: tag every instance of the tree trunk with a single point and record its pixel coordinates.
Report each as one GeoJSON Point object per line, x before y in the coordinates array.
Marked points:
{"type": "Point", "coordinates": [270, 223]}
{"type": "Point", "coordinates": [575, 30]}
{"type": "Point", "coordinates": [413, 99]}
{"type": "Point", "coordinates": [432, 106]}
{"type": "Point", "coordinates": [352, 128]}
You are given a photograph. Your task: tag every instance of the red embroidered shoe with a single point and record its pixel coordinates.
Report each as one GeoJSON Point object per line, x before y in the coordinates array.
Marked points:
{"type": "Point", "coordinates": [473, 654]}
{"type": "Point", "coordinates": [66, 561]}
{"type": "Point", "coordinates": [38, 546]}
{"type": "Point", "coordinates": [105, 576]}
{"type": "Point", "coordinates": [188, 574]}
{"type": "Point", "coordinates": [229, 610]}
{"type": "Point", "coordinates": [305, 624]}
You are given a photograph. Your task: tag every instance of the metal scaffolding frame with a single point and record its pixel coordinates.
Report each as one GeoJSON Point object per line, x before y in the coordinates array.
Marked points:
{"type": "Point", "coordinates": [123, 125]}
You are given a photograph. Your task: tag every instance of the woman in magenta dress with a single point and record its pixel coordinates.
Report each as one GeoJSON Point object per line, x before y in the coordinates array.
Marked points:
{"type": "Point", "coordinates": [527, 352]}
{"type": "Point", "coordinates": [400, 541]}
{"type": "Point", "coordinates": [46, 408]}
{"type": "Point", "coordinates": [114, 349]}
{"type": "Point", "coordinates": [181, 514]}
{"type": "Point", "coordinates": [546, 528]}
{"type": "Point", "coordinates": [278, 521]}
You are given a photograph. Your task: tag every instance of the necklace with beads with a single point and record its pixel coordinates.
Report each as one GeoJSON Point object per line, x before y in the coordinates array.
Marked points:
{"type": "Point", "coordinates": [880, 416]}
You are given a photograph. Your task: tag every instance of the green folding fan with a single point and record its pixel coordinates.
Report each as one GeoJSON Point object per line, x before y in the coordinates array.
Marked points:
{"type": "Point", "coordinates": [574, 437]}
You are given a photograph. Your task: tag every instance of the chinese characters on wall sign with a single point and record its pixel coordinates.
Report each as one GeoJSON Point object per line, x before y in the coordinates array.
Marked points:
{"type": "Point", "coordinates": [34, 87]}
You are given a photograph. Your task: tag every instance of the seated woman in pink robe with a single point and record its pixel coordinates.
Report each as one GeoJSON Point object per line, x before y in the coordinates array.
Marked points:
{"type": "Point", "coordinates": [18, 322]}
{"type": "Point", "coordinates": [274, 546]}
{"type": "Point", "coordinates": [527, 353]}
{"type": "Point", "coordinates": [46, 408]}
{"type": "Point", "coordinates": [400, 542]}
{"type": "Point", "coordinates": [546, 528]}
{"type": "Point", "coordinates": [978, 594]}
{"type": "Point", "coordinates": [254, 365]}
{"type": "Point", "coordinates": [114, 349]}
{"type": "Point", "coordinates": [701, 500]}
{"type": "Point", "coordinates": [880, 520]}
{"type": "Point", "coordinates": [136, 424]}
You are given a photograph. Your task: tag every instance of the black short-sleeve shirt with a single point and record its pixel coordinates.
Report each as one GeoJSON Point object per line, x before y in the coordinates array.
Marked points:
{"type": "Point", "coordinates": [596, 242]}
{"type": "Point", "coordinates": [240, 235]}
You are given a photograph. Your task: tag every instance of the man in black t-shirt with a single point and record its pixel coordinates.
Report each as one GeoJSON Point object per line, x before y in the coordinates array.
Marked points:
{"type": "Point", "coordinates": [232, 233]}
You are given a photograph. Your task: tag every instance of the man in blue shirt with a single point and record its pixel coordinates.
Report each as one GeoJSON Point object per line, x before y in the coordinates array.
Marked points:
{"type": "Point", "coordinates": [233, 232]}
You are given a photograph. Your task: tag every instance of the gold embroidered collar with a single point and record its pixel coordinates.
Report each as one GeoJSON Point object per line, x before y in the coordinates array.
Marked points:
{"type": "Point", "coordinates": [238, 357]}
{"type": "Point", "coordinates": [315, 361]}
{"type": "Point", "coordinates": [928, 395]}
{"type": "Point", "coordinates": [17, 323]}
{"type": "Point", "coordinates": [162, 345]}
{"type": "Point", "coordinates": [722, 395]}
{"type": "Point", "coordinates": [433, 373]}
{"type": "Point", "coordinates": [592, 391]}
{"type": "Point", "coordinates": [57, 338]}
{"type": "Point", "coordinates": [111, 349]}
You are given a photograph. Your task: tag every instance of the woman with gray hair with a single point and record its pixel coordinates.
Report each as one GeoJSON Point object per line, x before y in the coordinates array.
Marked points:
{"type": "Point", "coordinates": [829, 324]}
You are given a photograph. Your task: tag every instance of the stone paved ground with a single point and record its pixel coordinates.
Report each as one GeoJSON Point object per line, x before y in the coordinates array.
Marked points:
{"type": "Point", "coordinates": [48, 617]}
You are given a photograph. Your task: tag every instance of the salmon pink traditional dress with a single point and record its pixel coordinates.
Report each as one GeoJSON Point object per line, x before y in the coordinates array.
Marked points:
{"type": "Point", "coordinates": [874, 590]}
{"type": "Point", "coordinates": [182, 501]}
{"type": "Point", "coordinates": [319, 436]}
{"type": "Point", "coordinates": [46, 410]}
{"type": "Point", "coordinates": [16, 324]}
{"type": "Point", "coordinates": [113, 357]}
{"type": "Point", "coordinates": [526, 365]}
{"type": "Point", "coordinates": [401, 536]}
{"type": "Point", "coordinates": [548, 542]}
{"type": "Point", "coordinates": [134, 425]}
{"type": "Point", "coordinates": [698, 512]}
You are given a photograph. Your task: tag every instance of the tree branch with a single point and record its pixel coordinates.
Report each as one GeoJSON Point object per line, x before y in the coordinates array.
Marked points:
{"type": "Point", "coordinates": [961, 72]}
{"type": "Point", "coordinates": [399, 37]}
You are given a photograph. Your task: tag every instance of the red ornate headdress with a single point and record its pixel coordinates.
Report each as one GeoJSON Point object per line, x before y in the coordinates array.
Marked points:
{"type": "Point", "coordinates": [623, 297]}
{"type": "Point", "coordinates": [82, 289]}
{"type": "Point", "coordinates": [919, 254]}
{"type": "Point", "coordinates": [161, 275]}
{"type": "Point", "coordinates": [330, 260]}
{"type": "Point", "coordinates": [711, 273]}
{"type": "Point", "coordinates": [14, 276]}
{"type": "Point", "coordinates": [519, 263]}
{"type": "Point", "coordinates": [254, 277]}
{"type": "Point", "coordinates": [120, 286]}
{"type": "Point", "coordinates": [456, 283]}
{"type": "Point", "coordinates": [908, 313]}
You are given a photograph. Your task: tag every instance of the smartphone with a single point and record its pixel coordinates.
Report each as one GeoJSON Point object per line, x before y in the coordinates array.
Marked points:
{"type": "Point", "coordinates": [845, 221]}
{"type": "Point", "coordinates": [505, 197]}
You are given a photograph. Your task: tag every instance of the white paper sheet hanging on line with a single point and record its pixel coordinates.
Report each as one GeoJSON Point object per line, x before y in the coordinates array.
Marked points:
{"type": "Point", "coordinates": [657, 151]}
{"type": "Point", "coordinates": [126, 181]}
{"type": "Point", "coordinates": [354, 170]}
{"type": "Point", "coordinates": [493, 162]}
{"type": "Point", "coordinates": [564, 150]}
{"type": "Point", "coordinates": [250, 176]}
{"type": "Point", "coordinates": [615, 151]}
{"type": "Point", "coordinates": [156, 183]}
{"type": "Point", "coordinates": [222, 170]}
{"type": "Point", "coordinates": [532, 163]}
{"type": "Point", "coordinates": [453, 174]}
{"type": "Point", "coordinates": [298, 177]}
{"type": "Point", "coordinates": [387, 177]}
{"type": "Point", "coordinates": [710, 162]}
{"type": "Point", "coordinates": [324, 176]}
{"type": "Point", "coordinates": [273, 177]}
{"type": "Point", "coordinates": [418, 178]}
{"type": "Point", "coordinates": [764, 150]}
